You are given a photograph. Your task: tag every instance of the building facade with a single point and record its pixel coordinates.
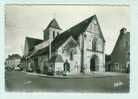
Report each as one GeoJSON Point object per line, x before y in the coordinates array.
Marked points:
{"type": "Point", "coordinates": [13, 61]}
{"type": "Point", "coordinates": [78, 49]}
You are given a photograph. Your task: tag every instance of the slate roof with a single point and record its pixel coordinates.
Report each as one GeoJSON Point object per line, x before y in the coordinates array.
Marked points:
{"type": "Point", "coordinates": [120, 37]}
{"type": "Point", "coordinates": [32, 42]}
{"type": "Point", "coordinates": [53, 24]}
{"type": "Point", "coordinates": [74, 31]}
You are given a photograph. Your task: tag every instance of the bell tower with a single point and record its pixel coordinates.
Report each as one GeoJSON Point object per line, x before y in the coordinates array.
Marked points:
{"type": "Point", "coordinates": [52, 31]}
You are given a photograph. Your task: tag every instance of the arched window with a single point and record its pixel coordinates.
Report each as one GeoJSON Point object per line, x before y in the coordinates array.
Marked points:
{"type": "Point", "coordinates": [53, 34]}
{"type": "Point", "coordinates": [71, 55]}
{"type": "Point", "coordinates": [94, 44]}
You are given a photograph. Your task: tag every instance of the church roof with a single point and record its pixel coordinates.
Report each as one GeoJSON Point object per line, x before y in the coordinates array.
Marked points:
{"type": "Point", "coordinates": [54, 24]}
{"type": "Point", "coordinates": [124, 34]}
{"type": "Point", "coordinates": [74, 31]}
{"type": "Point", "coordinates": [32, 42]}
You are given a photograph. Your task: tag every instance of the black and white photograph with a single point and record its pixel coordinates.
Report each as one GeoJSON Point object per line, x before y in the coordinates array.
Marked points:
{"type": "Point", "coordinates": [67, 48]}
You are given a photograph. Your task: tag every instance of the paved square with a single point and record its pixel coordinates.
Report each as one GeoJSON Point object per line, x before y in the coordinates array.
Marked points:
{"type": "Point", "coordinates": [20, 81]}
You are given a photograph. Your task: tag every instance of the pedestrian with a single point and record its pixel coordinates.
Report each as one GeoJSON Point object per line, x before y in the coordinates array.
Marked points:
{"type": "Point", "coordinates": [66, 66]}
{"type": "Point", "coordinates": [77, 67]}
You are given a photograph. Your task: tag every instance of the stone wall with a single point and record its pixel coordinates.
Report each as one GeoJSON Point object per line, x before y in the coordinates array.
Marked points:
{"type": "Point", "coordinates": [75, 62]}
{"type": "Point", "coordinates": [89, 52]}
{"type": "Point", "coordinates": [42, 61]}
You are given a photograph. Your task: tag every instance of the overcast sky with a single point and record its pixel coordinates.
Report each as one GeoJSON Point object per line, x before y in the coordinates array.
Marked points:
{"type": "Point", "coordinates": [22, 21]}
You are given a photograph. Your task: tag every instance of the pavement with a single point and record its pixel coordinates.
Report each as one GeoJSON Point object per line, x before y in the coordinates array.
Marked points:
{"type": "Point", "coordinates": [81, 75]}
{"type": "Point", "coordinates": [17, 81]}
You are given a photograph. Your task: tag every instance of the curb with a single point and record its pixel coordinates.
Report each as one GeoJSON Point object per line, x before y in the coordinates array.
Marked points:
{"type": "Point", "coordinates": [68, 77]}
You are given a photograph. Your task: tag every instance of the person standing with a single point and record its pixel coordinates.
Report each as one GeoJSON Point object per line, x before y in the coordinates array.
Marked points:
{"type": "Point", "coordinates": [77, 67]}
{"type": "Point", "coordinates": [66, 66]}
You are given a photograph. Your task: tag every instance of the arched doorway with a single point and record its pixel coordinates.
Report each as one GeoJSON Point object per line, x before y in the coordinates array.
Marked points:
{"type": "Point", "coordinates": [93, 63]}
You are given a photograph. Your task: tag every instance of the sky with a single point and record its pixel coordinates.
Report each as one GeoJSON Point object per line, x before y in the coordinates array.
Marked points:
{"type": "Point", "coordinates": [31, 20]}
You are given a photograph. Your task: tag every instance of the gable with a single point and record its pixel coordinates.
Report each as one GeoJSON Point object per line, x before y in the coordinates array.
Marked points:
{"type": "Point", "coordinates": [94, 28]}
{"type": "Point", "coordinates": [53, 24]}
{"type": "Point", "coordinates": [69, 43]}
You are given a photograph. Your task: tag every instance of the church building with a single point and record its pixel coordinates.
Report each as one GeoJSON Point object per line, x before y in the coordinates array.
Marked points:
{"type": "Point", "coordinates": [81, 46]}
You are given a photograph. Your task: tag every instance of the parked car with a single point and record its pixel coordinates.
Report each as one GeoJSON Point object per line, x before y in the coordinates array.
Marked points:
{"type": "Point", "coordinates": [17, 68]}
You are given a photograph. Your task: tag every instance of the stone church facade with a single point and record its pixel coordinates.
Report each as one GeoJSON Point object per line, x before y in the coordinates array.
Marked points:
{"type": "Point", "coordinates": [82, 46]}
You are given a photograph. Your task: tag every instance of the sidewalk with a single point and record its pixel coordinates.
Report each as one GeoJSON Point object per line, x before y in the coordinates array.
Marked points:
{"type": "Point", "coordinates": [80, 75]}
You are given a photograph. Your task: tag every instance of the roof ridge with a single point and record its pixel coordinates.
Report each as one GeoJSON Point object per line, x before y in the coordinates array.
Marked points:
{"type": "Point", "coordinates": [74, 31]}
{"type": "Point", "coordinates": [79, 23]}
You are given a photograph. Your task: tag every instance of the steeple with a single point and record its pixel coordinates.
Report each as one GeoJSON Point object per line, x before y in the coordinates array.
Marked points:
{"type": "Point", "coordinates": [54, 24]}
{"type": "Point", "coordinates": [53, 29]}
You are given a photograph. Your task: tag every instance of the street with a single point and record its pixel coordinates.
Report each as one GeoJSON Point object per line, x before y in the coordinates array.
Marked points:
{"type": "Point", "coordinates": [22, 82]}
